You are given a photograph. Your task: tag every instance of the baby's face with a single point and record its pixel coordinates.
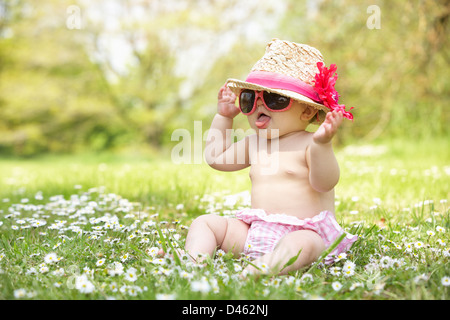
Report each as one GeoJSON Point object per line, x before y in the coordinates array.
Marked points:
{"type": "Point", "coordinates": [272, 124]}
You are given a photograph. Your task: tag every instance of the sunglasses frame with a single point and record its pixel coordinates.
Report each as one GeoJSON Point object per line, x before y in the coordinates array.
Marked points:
{"type": "Point", "coordinates": [260, 94]}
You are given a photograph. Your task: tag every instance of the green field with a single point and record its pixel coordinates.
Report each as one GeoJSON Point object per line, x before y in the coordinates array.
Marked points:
{"type": "Point", "coordinates": [87, 227]}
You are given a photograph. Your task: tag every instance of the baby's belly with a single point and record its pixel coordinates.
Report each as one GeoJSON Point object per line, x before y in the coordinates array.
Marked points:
{"type": "Point", "coordinates": [302, 202]}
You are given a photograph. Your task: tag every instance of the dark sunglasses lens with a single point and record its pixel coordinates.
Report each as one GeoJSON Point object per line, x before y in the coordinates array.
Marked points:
{"type": "Point", "coordinates": [275, 101]}
{"type": "Point", "coordinates": [246, 100]}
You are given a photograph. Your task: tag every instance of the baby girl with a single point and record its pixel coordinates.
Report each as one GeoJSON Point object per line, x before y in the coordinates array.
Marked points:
{"type": "Point", "coordinates": [292, 206]}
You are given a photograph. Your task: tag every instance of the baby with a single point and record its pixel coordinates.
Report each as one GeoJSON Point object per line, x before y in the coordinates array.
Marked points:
{"type": "Point", "coordinates": [292, 204]}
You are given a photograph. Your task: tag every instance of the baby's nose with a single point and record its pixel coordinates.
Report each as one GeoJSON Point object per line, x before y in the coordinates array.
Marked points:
{"type": "Point", "coordinates": [259, 102]}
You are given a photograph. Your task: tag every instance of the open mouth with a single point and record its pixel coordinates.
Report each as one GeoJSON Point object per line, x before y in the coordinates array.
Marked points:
{"type": "Point", "coordinates": [262, 121]}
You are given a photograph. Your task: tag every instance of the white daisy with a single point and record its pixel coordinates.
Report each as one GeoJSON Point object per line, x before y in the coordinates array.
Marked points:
{"type": "Point", "coordinates": [100, 262]}
{"type": "Point", "coordinates": [335, 271]}
{"type": "Point", "coordinates": [130, 275]}
{"type": "Point", "coordinates": [83, 285]}
{"type": "Point", "coordinates": [385, 262]}
{"type": "Point", "coordinates": [340, 256]}
{"type": "Point", "coordinates": [348, 269]}
{"type": "Point", "coordinates": [20, 293]}
{"type": "Point", "coordinates": [336, 286]}
{"type": "Point", "coordinates": [201, 286]}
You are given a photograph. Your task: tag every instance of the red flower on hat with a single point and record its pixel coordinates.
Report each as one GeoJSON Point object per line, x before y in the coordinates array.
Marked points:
{"type": "Point", "coordinates": [324, 84]}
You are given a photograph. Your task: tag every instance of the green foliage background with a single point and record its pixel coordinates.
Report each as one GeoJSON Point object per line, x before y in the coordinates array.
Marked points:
{"type": "Point", "coordinates": [58, 96]}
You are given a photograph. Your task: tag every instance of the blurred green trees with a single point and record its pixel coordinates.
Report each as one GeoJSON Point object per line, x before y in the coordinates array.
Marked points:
{"type": "Point", "coordinates": [396, 76]}
{"type": "Point", "coordinates": [63, 87]}
{"type": "Point", "coordinates": [58, 93]}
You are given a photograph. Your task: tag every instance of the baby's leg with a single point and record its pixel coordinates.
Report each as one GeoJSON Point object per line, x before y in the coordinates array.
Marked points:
{"type": "Point", "coordinates": [211, 231]}
{"type": "Point", "coordinates": [289, 246]}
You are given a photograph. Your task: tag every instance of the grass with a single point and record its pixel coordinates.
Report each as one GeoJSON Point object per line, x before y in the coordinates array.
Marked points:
{"type": "Point", "coordinates": [76, 227]}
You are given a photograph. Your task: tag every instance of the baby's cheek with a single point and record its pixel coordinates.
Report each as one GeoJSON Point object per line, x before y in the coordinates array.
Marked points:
{"type": "Point", "coordinates": [251, 121]}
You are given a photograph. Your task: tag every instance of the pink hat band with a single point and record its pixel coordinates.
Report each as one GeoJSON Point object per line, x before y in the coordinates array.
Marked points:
{"type": "Point", "coordinates": [283, 82]}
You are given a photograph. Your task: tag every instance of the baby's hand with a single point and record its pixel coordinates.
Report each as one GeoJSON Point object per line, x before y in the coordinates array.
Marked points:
{"type": "Point", "coordinates": [226, 100]}
{"type": "Point", "coordinates": [328, 128]}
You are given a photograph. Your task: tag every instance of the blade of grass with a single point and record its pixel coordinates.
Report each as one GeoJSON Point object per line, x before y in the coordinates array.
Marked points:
{"type": "Point", "coordinates": [175, 253]}
{"type": "Point", "coordinates": [252, 264]}
{"type": "Point", "coordinates": [165, 242]}
{"type": "Point", "coordinates": [291, 260]}
{"type": "Point", "coordinates": [161, 237]}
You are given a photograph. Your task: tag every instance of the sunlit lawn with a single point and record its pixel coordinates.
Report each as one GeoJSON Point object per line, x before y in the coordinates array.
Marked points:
{"type": "Point", "coordinates": [88, 227]}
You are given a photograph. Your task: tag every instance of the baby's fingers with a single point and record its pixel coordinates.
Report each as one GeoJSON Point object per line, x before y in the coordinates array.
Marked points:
{"type": "Point", "coordinates": [335, 118]}
{"type": "Point", "coordinates": [226, 94]}
{"type": "Point", "coordinates": [221, 91]}
{"type": "Point", "coordinates": [230, 94]}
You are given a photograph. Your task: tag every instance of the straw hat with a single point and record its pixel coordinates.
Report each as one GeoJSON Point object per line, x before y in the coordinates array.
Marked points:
{"type": "Point", "coordinates": [287, 68]}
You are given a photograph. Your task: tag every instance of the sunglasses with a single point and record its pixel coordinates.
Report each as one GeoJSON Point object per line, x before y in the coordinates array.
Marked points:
{"type": "Point", "coordinates": [272, 101]}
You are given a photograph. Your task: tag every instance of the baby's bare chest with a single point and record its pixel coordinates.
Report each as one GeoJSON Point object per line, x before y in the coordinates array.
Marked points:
{"type": "Point", "coordinates": [279, 164]}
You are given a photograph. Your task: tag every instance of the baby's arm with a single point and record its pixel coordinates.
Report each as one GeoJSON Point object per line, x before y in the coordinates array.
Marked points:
{"type": "Point", "coordinates": [220, 151]}
{"type": "Point", "coordinates": [323, 166]}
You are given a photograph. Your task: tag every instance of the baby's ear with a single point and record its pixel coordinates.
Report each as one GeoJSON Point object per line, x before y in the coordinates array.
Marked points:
{"type": "Point", "coordinates": [308, 113]}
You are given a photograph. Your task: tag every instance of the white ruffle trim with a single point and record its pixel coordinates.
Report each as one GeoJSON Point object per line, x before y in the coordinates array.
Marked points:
{"type": "Point", "coordinates": [249, 215]}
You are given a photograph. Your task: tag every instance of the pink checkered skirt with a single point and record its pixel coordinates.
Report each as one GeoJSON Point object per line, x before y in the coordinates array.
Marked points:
{"type": "Point", "coordinates": [267, 229]}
